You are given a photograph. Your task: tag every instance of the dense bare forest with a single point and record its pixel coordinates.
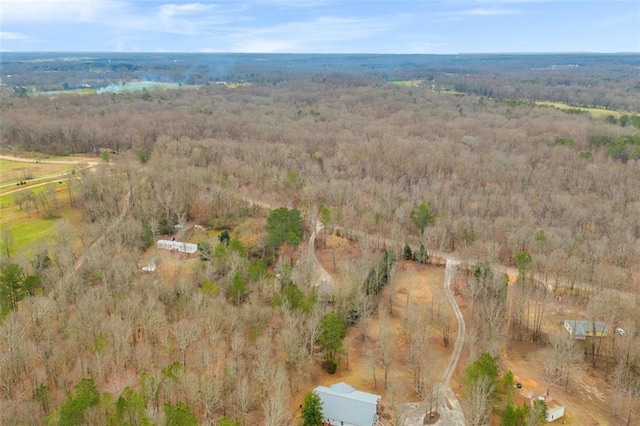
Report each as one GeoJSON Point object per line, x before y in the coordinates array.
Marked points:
{"type": "Point", "coordinates": [224, 340]}
{"type": "Point", "coordinates": [497, 172]}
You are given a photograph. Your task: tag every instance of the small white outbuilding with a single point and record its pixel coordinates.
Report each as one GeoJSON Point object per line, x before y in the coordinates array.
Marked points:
{"type": "Point", "coordinates": [554, 409]}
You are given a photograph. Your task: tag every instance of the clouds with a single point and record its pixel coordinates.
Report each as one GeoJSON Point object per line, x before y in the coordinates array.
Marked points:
{"type": "Point", "coordinates": [108, 12]}
{"type": "Point", "coordinates": [255, 26]}
{"type": "Point", "coordinates": [299, 26]}
{"type": "Point", "coordinates": [298, 3]}
{"type": "Point", "coordinates": [59, 11]}
{"type": "Point", "coordinates": [488, 12]}
{"type": "Point", "coordinates": [319, 35]}
{"type": "Point", "coordinates": [170, 10]}
{"type": "Point", "coordinates": [12, 36]}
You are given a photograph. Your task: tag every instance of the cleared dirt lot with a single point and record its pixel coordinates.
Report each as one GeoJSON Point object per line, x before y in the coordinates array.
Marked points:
{"type": "Point", "coordinates": [417, 289]}
{"type": "Point", "coordinates": [588, 397]}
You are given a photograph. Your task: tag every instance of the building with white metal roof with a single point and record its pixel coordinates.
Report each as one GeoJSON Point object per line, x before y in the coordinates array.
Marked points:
{"type": "Point", "coordinates": [342, 405]}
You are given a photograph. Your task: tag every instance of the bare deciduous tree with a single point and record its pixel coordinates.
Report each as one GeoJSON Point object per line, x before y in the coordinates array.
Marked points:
{"type": "Point", "coordinates": [478, 403]}
{"type": "Point", "coordinates": [559, 360]}
{"type": "Point", "coordinates": [185, 332]}
{"type": "Point", "coordinates": [274, 405]}
{"type": "Point", "coordinates": [386, 345]}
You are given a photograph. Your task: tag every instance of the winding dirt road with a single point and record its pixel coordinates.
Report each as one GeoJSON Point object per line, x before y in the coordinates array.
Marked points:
{"type": "Point", "coordinates": [448, 406]}
{"type": "Point", "coordinates": [324, 281]}
{"type": "Point", "coordinates": [33, 160]}
{"type": "Point", "coordinates": [46, 179]}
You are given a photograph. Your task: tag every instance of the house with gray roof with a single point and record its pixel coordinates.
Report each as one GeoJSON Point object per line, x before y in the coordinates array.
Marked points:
{"type": "Point", "coordinates": [342, 405]}
{"type": "Point", "coordinates": [583, 329]}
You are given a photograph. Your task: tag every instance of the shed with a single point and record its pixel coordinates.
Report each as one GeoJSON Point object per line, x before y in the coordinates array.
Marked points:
{"type": "Point", "coordinates": [342, 405]}
{"type": "Point", "coordinates": [150, 267]}
{"type": "Point", "coordinates": [554, 409]}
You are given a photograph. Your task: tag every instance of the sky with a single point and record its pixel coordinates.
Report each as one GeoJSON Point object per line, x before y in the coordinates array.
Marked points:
{"type": "Point", "coordinates": [321, 26]}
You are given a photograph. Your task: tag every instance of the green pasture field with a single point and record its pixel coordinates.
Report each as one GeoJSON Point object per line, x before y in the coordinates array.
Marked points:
{"type": "Point", "coordinates": [32, 227]}
{"type": "Point", "coordinates": [6, 199]}
{"type": "Point", "coordinates": [408, 83]}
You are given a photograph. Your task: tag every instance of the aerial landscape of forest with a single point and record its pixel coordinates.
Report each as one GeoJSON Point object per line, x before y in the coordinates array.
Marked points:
{"type": "Point", "coordinates": [236, 239]}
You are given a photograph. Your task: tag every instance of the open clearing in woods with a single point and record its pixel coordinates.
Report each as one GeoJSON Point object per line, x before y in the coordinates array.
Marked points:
{"type": "Point", "coordinates": [588, 395]}
{"type": "Point", "coordinates": [418, 290]}
{"type": "Point", "coordinates": [423, 284]}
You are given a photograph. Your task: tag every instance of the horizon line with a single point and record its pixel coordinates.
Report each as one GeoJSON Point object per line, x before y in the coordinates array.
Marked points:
{"type": "Point", "coordinates": [321, 53]}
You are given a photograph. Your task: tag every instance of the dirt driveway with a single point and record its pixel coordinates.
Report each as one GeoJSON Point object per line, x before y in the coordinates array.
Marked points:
{"type": "Point", "coordinates": [418, 287]}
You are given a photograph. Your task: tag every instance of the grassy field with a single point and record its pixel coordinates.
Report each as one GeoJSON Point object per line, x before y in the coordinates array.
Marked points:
{"type": "Point", "coordinates": [599, 113]}
{"type": "Point", "coordinates": [35, 174]}
{"type": "Point", "coordinates": [595, 112]}
{"type": "Point", "coordinates": [73, 158]}
{"type": "Point", "coordinates": [28, 227]}
{"type": "Point", "coordinates": [408, 83]}
{"type": "Point", "coordinates": [84, 91]}
{"type": "Point", "coordinates": [7, 199]}
{"type": "Point", "coordinates": [38, 156]}
{"type": "Point", "coordinates": [236, 84]}
{"type": "Point", "coordinates": [12, 171]}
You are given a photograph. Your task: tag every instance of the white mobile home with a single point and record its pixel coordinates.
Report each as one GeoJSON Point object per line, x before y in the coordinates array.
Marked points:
{"type": "Point", "coordinates": [178, 246]}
